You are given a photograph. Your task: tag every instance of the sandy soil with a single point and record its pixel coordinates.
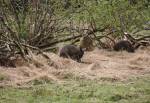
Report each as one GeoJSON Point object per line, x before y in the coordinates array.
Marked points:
{"type": "Point", "coordinates": [96, 65]}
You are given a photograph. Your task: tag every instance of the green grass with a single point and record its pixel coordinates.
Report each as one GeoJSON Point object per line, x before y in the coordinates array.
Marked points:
{"type": "Point", "coordinates": [82, 91]}
{"type": "Point", "coordinates": [3, 77]}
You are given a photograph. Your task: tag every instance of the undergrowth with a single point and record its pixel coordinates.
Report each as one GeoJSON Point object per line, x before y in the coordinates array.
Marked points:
{"type": "Point", "coordinates": [81, 91]}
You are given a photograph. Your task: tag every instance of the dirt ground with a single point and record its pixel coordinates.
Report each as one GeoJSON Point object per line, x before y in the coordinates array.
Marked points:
{"type": "Point", "coordinates": [96, 65]}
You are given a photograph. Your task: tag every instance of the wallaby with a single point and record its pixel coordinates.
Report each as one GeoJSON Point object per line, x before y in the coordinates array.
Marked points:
{"type": "Point", "coordinates": [124, 45]}
{"type": "Point", "coordinates": [72, 51]}
{"type": "Point", "coordinates": [87, 43]}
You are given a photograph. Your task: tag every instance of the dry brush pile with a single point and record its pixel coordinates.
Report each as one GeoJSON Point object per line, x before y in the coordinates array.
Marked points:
{"type": "Point", "coordinates": [29, 26]}
{"type": "Point", "coordinates": [25, 26]}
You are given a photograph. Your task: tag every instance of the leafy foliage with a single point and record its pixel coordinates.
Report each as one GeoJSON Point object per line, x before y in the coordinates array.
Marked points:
{"type": "Point", "coordinates": [120, 14]}
{"type": "Point", "coordinates": [44, 23]}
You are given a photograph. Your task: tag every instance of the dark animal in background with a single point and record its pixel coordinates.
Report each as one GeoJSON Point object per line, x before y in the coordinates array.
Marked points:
{"type": "Point", "coordinates": [66, 3]}
{"type": "Point", "coordinates": [72, 51]}
{"type": "Point", "coordinates": [124, 45]}
{"type": "Point", "coordinates": [7, 62]}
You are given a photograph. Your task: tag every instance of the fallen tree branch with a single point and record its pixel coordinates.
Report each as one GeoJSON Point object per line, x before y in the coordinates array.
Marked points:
{"type": "Point", "coordinates": [70, 38]}
{"type": "Point", "coordinates": [143, 38]}
{"type": "Point", "coordinates": [138, 41]}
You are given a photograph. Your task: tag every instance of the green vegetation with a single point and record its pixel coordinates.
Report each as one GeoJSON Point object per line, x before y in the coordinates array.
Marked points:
{"type": "Point", "coordinates": [119, 14]}
{"type": "Point", "coordinates": [82, 91]}
{"type": "Point", "coordinates": [40, 25]}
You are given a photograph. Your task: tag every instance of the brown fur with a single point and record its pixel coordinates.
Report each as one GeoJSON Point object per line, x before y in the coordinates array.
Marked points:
{"type": "Point", "coordinates": [87, 43]}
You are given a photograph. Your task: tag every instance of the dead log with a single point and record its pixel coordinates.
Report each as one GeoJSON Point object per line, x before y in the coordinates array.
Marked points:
{"type": "Point", "coordinates": [143, 38]}
{"type": "Point", "coordinates": [137, 42]}
{"type": "Point", "coordinates": [90, 32]}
